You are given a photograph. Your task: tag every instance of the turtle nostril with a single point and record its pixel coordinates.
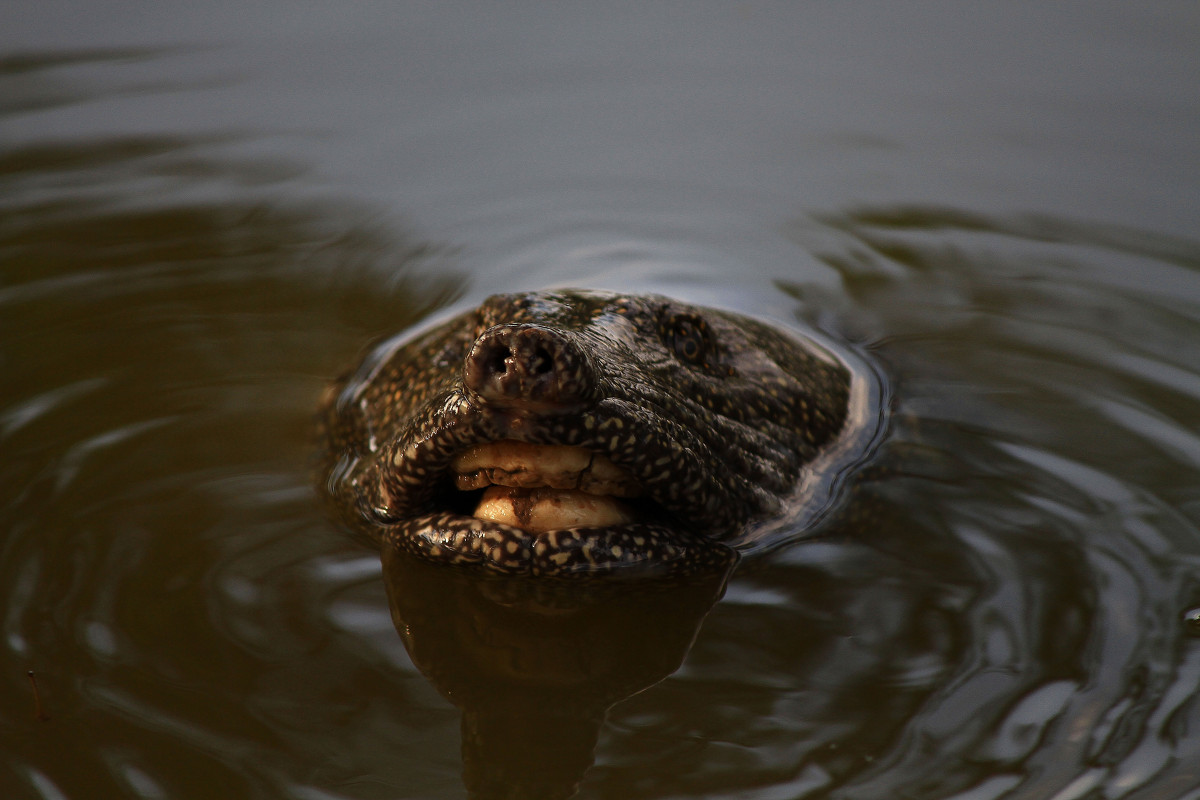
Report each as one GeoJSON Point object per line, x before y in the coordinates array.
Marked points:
{"type": "Point", "coordinates": [497, 360]}
{"type": "Point", "coordinates": [542, 362]}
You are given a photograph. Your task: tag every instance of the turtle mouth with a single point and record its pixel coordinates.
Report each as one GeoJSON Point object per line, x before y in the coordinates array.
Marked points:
{"type": "Point", "coordinates": [539, 509]}
{"type": "Point", "coordinates": [524, 495]}
{"type": "Point", "coordinates": [545, 487]}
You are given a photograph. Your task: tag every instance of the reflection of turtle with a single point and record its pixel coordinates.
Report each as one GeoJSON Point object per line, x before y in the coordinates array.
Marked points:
{"type": "Point", "coordinates": [582, 432]}
{"type": "Point", "coordinates": [535, 665]}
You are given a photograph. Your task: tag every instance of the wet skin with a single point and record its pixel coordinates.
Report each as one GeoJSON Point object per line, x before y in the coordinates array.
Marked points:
{"type": "Point", "coordinates": [579, 433]}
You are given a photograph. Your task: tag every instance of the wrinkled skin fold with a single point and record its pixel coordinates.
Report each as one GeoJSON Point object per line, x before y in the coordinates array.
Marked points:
{"type": "Point", "coordinates": [578, 433]}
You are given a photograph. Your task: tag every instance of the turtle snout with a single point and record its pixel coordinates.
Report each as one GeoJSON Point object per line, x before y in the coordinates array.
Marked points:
{"type": "Point", "coordinates": [527, 365]}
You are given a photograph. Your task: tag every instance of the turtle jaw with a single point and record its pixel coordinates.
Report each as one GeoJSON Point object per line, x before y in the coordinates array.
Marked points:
{"type": "Point", "coordinates": [541, 488]}
{"type": "Point", "coordinates": [534, 508]}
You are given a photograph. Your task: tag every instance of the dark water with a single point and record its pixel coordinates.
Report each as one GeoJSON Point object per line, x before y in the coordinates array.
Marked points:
{"type": "Point", "coordinates": [208, 210]}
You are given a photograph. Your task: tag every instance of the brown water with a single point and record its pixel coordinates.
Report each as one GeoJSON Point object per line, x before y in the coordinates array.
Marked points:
{"type": "Point", "coordinates": [207, 210]}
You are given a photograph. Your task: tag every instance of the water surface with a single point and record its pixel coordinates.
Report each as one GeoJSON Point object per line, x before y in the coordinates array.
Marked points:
{"type": "Point", "coordinates": [208, 212]}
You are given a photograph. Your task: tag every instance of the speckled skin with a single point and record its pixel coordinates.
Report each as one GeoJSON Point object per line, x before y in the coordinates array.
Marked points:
{"type": "Point", "coordinates": [715, 414]}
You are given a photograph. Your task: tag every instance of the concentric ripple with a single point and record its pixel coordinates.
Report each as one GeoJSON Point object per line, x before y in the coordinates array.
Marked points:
{"type": "Point", "coordinates": [1005, 615]}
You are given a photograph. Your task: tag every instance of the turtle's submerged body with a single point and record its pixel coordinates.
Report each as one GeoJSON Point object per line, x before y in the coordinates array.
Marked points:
{"type": "Point", "coordinates": [581, 433]}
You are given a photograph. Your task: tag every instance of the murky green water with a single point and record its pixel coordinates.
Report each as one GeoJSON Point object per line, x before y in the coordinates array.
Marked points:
{"type": "Point", "coordinates": [206, 212]}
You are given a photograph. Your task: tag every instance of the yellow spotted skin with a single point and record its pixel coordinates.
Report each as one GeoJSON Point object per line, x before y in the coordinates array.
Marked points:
{"type": "Point", "coordinates": [715, 414]}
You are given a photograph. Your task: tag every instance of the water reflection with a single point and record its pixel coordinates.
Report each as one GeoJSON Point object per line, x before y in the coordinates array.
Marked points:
{"type": "Point", "coordinates": [1058, 385]}
{"type": "Point", "coordinates": [1015, 618]}
{"type": "Point", "coordinates": [535, 665]}
{"type": "Point", "coordinates": [168, 319]}
{"type": "Point", "coordinates": [32, 82]}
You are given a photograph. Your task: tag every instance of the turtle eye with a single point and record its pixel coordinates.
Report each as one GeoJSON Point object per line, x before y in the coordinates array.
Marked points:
{"type": "Point", "coordinates": [687, 337]}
